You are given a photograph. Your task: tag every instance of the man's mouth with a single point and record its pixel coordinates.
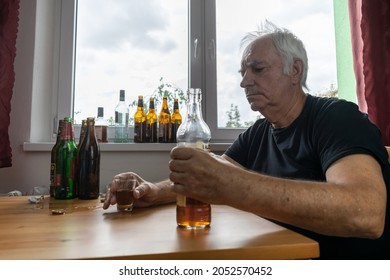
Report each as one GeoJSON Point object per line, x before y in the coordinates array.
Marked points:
{"type": "Point", "coordinates": [251, 94]}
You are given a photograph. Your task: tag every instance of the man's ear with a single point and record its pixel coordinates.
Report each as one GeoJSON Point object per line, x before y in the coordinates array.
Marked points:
{"type": "Point", "coordinates": [297, 71]}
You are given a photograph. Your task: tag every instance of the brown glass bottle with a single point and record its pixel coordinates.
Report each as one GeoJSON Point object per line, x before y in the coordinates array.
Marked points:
{"type": "Point", "coordinates": [88, 163]}
{"type": "Point", "coordinates": [164, 123]}
{"type": "Point", "coordinates": [83, 128]}
{"type": "Point", "coordinates": [193, 132]}
{"type": "Point", "coordinates": [151, 123]}
{"type": "Point", "coordinates": [101, 126]}
{"type": "Point", "coordinates": [54, 158]}
{"type": "Point", "coordinates": [176, 120]}
{"type": "Point", "coordinates": [66, 163]}
{"type": "Point", "coordinates": [140, 122]}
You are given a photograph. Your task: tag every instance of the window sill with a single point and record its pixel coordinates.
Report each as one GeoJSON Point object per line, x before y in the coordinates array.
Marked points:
{"type": "Point", "coordinates": [121, 147]}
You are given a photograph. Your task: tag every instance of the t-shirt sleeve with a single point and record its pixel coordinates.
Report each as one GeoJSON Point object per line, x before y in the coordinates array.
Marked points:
{"type": "Point", "coordinates": [343, 130]}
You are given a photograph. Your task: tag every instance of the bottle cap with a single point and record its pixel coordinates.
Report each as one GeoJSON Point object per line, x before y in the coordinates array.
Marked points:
{"type": "Point", "coordinates": [122, 95]}
{"type": "Point", "coordinates": [100, 112]}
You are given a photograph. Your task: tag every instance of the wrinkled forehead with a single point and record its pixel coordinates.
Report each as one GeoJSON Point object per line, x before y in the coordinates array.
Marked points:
{"type": "Point", "coordinates": [259, 50]}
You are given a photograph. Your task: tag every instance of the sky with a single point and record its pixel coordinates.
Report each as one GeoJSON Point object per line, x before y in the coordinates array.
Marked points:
{"type": "Point", "coordinates": [131, 44]}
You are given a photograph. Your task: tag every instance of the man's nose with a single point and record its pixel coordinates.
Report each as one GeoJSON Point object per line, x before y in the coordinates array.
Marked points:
{"type": "Point", "coordinates": [246, 80]}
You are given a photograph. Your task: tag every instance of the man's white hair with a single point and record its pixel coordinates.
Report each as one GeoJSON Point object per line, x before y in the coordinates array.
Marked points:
{"type": "Point", "coordinates": [288, 46]}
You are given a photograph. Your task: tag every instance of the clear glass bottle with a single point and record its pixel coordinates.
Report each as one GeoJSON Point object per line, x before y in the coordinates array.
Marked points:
{"type": "Point", "coordinates": [164, 123]}
{"type": "Point", "coordinates": [121, 119]}
{"type": "Point", "coordinates": [88, 164]}
{"type": "Point", "coordinates": [193, 132]}
{"type": "Point", "coordinates": [101, 126]}
{"type": "Point", "coordinates": [140, 122]}
{"type": "Point", "coordinates": [176, 120]}
{"type": "Point", "coordinates": [151, 123]}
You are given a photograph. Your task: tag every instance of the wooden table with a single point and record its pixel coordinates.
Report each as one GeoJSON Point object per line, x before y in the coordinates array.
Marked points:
{"type": "Point", "coordinates": [86, 231]}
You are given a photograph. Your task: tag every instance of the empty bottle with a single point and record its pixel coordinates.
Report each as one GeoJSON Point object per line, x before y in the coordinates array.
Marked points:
{"type": "Point", "coordinates": [66, 163]}
{"type": "Point", "coordinates": [54, 158]}
{"type": "Point", "coordinates": [121, 119]}
{"type": "Point", "coordinates": [88, 164]}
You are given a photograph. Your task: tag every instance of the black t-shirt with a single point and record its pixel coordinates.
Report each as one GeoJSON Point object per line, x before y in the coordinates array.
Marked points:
{"type": "Point", "coordinates": [326, 130]}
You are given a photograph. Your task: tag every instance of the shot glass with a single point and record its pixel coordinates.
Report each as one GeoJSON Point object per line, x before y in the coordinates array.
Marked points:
{"type": "Point", "coordinates": [124, 194]}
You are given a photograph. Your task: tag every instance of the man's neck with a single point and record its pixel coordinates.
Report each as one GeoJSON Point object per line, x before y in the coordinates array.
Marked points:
{"type": "Point", "coordinates": [293, 111]}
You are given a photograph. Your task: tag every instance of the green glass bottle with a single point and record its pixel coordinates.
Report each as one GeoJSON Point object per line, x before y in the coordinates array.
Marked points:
{"type": "Point", "coordinates": [66, 163]}
{"type": "Point", "coordinates": [53, 156]}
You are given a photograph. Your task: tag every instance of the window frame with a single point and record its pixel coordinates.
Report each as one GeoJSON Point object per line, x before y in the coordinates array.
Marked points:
{"type": "Point", "coordinates": [201, 58]}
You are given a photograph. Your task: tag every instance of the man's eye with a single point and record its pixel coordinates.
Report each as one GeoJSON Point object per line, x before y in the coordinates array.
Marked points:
{"type": "Point", "coordinates": [258, 70]}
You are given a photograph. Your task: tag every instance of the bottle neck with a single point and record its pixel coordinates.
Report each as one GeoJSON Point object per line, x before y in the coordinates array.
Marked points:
{"type": "Point", "coordinates": [165, 106]}
{"type": "Point", "coordinates": [176, 106]}
{"type": "Point", "coordinates": [91, 127]}
{"type": "Point", "coordinates": [194, 106]}
{"type": "Point", "coordinates": [67, 131]}
{"type": "Point", "coordinates": [140, 102]}
{"type": "Point", "coordinates": [60, 129]}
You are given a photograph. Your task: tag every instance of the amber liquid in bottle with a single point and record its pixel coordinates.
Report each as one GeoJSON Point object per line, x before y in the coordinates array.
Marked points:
{"type": "Point", "coordinates": [192, 213]}
{"type": "Point", "coordinates": [176, 120]}
{"type": "Point", "coordinates": [151, 123]}
{"type": "Point", "coordinates": [140, 122]}
{"type": "Point", "coordinates": [164, 123]}
{"type": "Point", "coordinates": [193, 132]}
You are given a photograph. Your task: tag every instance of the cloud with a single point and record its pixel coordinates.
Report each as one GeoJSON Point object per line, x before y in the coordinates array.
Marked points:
{"type": "Point", "coordinates": [123, 24]}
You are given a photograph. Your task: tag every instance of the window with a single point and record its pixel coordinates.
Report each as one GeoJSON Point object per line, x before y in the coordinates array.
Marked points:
{"type": "Point", "coordinates": [128, 44]}
{"type": "Point", "coordinates": [311, 21]}
{"type": "Point", "coordinates": [131, 45]}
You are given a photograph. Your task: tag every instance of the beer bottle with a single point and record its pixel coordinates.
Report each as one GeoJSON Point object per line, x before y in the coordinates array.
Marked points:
{"type": "Point", "coordinates": [140, 122]}
{"type": "Point", "coordinates": [66, 163]}
{"type": "Point", "coordinates": [193, 132]}
{"type": "Point", "coordinates": [164, 123]}
{"type": "Point", "coordinates": [121, 120]}
{"type": "Point", "coordinates": [175, 120]}
{"type": "Point", "coordinates": [151, 123]}
{"type": "Point", "coordinates": [82, 130]}
{"type": "Point", "coordinates": [88, 162]}
{"type": "Point", "coordinates": [101, 126]}
{"type": "Point", "coordinates": [54, 158]}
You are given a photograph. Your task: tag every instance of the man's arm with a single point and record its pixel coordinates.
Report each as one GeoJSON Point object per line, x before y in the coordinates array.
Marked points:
{"type": "Point", "coordinates": [352, 202]}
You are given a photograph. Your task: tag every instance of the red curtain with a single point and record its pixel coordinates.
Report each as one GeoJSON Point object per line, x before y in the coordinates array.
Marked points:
{"type": "Point", "coordinates": [370, 33]}
{"type": "Point", "coordinates": [9, 12]}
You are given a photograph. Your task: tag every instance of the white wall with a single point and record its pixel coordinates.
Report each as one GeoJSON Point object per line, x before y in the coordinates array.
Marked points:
{"type": "Point", "coordinates": [30, 116]}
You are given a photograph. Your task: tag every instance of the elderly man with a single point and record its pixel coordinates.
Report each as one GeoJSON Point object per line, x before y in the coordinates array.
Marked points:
{"type": "Point", "coordinates": [315, 165]}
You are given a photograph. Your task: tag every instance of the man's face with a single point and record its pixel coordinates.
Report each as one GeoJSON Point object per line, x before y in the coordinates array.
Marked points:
{"type": "Point", "coordinates": [268, 90]}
